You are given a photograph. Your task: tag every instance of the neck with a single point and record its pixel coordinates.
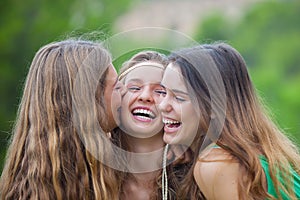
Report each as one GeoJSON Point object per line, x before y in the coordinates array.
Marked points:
{"type": "Point", "coordinates": [146, 145]}
{"type": "Point", "coordinates": [145, 178]}
{"type": "Point", "coordinates": [140, 186]}
{"type": "Point", "coordinates": [147, 154]}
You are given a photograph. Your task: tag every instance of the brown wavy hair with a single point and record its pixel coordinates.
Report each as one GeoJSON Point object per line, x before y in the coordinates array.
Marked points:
{"type": "Point", "coordinates": [248, 131]}
{"type": "Point", "coordinates": [47, 157]}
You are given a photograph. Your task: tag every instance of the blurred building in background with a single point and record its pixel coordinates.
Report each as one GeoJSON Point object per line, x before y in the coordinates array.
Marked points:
{"type": "Point", "coordinates": [183, 16]}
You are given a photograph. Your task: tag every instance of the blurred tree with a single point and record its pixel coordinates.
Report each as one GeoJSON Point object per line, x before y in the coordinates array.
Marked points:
{"type": "Point", "coordinates": [25, 26]}
{"type": "Point", "coordinates": [268, 37]}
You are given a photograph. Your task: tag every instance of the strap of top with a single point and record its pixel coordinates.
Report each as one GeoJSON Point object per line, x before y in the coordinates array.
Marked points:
{"type": "Point", "coordinates": [271, 187]}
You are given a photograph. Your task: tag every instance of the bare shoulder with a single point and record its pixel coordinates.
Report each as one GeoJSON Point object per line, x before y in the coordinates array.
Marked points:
{"type": "Point", "coordinates": [216, 173]}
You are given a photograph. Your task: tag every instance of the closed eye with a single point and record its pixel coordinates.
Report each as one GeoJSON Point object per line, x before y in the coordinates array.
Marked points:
{"type": "Point", "coordinates": [161, 92]}
{"type": "Point", "coordinates": [134, 88]}
{"type": "Point", "coordinates": [179, 99]}
{"type": "Point", "coordinates": [118, 87]}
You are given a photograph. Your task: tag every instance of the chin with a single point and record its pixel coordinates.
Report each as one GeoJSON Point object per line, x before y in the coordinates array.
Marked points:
{"type": "Point", "coordinates": [169, 140]}
{"type": "Point", "coordinates": [140, 134]}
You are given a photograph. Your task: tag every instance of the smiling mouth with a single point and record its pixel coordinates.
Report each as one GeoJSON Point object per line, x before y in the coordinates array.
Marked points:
{"type": "Point", "coordinates": [143, 114]}
{"type": "Point", "coordinates": [171, 125]}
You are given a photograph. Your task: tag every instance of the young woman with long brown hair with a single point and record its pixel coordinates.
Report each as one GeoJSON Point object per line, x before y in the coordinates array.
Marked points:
{"type": "Point", "coordinates": [211, 105]}
{"type": "Point", "coordinates": [70, 101]}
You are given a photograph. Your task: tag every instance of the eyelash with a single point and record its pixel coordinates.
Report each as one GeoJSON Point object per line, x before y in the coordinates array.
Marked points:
{"type": "Point", "coordinates": [161, 92]}
{"type": "Point", "coordinates": [164, 93]}
{"type": "Point", "coordinates": [158, 91]}
{"type": "Point", "coordinates": [134, 88]}
{"type": "Point", "coordinates": [179, 99]}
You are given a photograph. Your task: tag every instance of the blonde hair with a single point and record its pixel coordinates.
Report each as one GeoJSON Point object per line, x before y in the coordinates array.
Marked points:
{"type": "Point", "coordinates": [146, 56]}
{"type": "Point", "coordinates": [47, 157]}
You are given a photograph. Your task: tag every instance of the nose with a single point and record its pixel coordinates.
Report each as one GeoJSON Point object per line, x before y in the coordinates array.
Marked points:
{"type": "Point", "coordinates": [146, 96]}
{"type": "Point", "coordinates": [165, 105]}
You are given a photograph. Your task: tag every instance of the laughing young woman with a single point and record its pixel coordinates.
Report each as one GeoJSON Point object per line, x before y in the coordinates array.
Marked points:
{"type": "Point", "coordinates": [141, 129]}
{"type": "Point", "coordinates": [243, 154]}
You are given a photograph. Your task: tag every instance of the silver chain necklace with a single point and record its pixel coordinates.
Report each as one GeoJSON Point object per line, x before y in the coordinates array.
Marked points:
{"type": "Point", "coordinates": [164, 177]}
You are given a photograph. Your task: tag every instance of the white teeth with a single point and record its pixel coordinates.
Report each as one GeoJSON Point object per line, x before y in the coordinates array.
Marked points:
{"type": "Point", "coordinates": [148, 112]}
{"type": "Point", "coordinates": [167, 121]}
{"type": "Point", "coordinates": [143, 117]}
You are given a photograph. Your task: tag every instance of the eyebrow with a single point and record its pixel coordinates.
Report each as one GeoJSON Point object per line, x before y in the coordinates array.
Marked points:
{"type": "Point", "coordinates": [176, 90]}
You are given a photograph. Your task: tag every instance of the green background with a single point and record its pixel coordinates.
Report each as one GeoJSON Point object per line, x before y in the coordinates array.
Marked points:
{"type": "Point", "coordinates": [267, 35]}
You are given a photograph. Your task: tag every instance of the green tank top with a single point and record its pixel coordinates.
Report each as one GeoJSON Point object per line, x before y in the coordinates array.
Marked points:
{"type": "Point", "coordinates": [271, 188]}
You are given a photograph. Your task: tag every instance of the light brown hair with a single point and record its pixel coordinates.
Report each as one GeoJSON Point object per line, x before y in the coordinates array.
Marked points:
{"type": "Point", "coordinates": [121, 137]}
{"type": "Point", "coordinates": [248, 131]}
{"type": "Point", "coordinates": [47, 157]}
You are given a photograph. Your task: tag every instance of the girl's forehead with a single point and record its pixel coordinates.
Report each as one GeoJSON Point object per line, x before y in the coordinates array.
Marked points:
{"type": "Point", "coordinates": [173, 79]}
{"type": "Point", "coordinates": [145, 74]}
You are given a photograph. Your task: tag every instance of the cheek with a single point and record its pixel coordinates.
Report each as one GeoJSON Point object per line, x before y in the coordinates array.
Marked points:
{"type": "Point", "coordinates": [180, 111]}
{"type": "Point", "coordinates": [158, 99]}
{"type": "Point", "coordinates": [117, 98]}
{"type": "Point", "coordinates": [126, 100]}
{"type": "Point", "coordinates": [191, 118]}
{"type": "Point", "coordinates": [129, 98]}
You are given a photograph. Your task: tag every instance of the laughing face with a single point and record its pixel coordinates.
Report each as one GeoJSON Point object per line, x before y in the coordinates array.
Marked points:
{"type": "Point", "coordinates": [140, 116]}
{"type": "Point", "coordinates": [178, 111]}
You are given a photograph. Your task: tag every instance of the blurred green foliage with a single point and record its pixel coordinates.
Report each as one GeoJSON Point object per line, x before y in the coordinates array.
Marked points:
{"type": "Point", "coordinates": [268, 37]}
{"type": "Point", "coordinates": [25, 26]}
